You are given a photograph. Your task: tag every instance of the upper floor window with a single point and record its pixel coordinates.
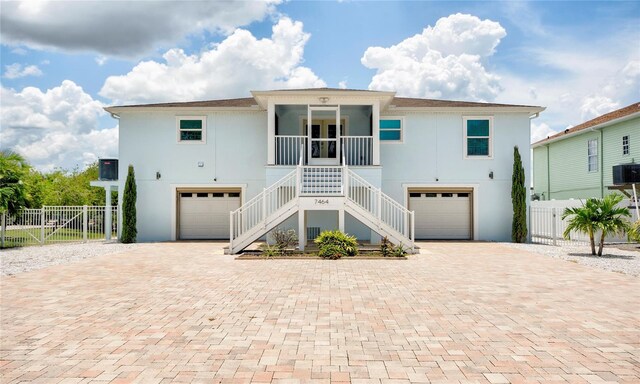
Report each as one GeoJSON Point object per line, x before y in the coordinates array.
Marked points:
{"type": "Point", "coordinates": [592, 155]}
{"type": "Point", "coordinates": [625, 145]}
{"type": "Point", "coordinates": [478, 142]}
{"type": "Point", "coordinates": [391, 129]}
{"type": "Point", "coordinates": [192, 129]}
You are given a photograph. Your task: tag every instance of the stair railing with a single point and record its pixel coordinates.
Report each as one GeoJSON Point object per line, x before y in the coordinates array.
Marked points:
{"type": "Point", "coordinates": [384, 208]}
{"type": "Point", "coordinates": [256, 212]}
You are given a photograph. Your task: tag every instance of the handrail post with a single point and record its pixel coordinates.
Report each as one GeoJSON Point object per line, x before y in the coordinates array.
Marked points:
{"type": "Point", "coordinates": [264, 207]}
{"type": "Point", "coordinates": [42, 225]}
{"type": "Point", "coordinates": [379, 207]}
{"type": "Point", "coordinates": [3, 229]}
{"type": "Point", "coordinates": [85, 222]}
{"type": "Point", "coordinates": [231, 232]}
{"type": "Point", "coordinates": [413, 231]}
{"type": "Point", "coordinates": [553, 225]}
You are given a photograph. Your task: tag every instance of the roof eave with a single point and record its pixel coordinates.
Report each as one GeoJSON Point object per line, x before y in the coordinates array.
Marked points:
{"type": "Point", "coordinates": [585, 130]}
{"type": "Point", "coordinates": [262, 97]}
{"type": "Point", "coordinates": [120, 109]}
{"type": "Point", "coordinates": [479, 109]}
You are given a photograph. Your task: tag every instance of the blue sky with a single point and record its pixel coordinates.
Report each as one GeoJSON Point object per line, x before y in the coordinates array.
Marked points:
{"type": "Point", "coordinates": [62, 62]}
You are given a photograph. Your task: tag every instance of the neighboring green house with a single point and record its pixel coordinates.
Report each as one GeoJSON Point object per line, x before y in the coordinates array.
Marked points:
{"type": "Point", "coordinates": [578, 162]}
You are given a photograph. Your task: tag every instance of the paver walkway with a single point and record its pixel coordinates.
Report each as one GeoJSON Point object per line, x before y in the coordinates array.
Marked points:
{"type": "Point", "coordinates": [183, 312]}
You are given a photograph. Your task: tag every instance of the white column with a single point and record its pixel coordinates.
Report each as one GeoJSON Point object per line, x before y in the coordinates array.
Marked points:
{"type": "Point", "coordinates": [375, 120]}
{"type": "Point", "coordinates": [107, 213]}
{"type": "Point", "coordinates": [302, 230]}
{"type": "Point", "coordinates": [271, 133]}
{"type": "Point", "coordinates": [341, 220]}
{"type": "Point", "coordinates": [338, 140]}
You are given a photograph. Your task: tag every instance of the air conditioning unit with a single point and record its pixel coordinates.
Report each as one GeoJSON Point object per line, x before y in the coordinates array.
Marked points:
{"type": "Point", "coordinates": [108, 169]}
{"type": "Point", "coordinates": [626, 174]}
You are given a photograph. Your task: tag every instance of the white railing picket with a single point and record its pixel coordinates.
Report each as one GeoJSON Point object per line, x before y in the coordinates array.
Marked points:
{"type": "Point", "coordinates": [358, 149]}
{"type": "Point", "coordinates": [288, 149]}
{"type": "Point", "coordinates": [256, 211]}
{"type": "Point", "coordinates": [57, 224]}
{"type": "Point", "coordinates": [379, 205]}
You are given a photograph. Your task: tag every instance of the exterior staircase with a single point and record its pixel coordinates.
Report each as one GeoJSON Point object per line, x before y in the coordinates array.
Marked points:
{"type": "Point", "coordinates": [358, 197]}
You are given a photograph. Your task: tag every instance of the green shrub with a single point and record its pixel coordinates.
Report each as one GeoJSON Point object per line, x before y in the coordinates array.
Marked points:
{"type": "Point", "coordinates": [634, 232]}
{"type": "Point", "coordinates": [270, 251]}
{"type": "Point", "coordinates": [335, 244]}
{"type": "Point", "coordinates": [386, 247]}
{"type": "Point", "coordinates": [129, 227]}
{"type": "Point", "coordinates": [399, 251]}
{"type": "Point", "coordinates": [284, 239]}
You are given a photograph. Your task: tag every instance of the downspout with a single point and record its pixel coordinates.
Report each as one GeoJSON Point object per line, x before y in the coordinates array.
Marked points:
{"type": "Point", "coordinates": [548, 174]}
{"type": "Point", "coordinates": [600, 160]}
{"type": "Point", "coordinates": [601, 163]}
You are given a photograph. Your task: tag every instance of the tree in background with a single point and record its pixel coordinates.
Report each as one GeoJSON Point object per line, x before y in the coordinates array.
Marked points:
{"type": "Point", "coordinates": [519, 200]}
{"type": "Point", "coordinates": [13, 170]}
{"type": "Point", "coordinates": [129, 229]}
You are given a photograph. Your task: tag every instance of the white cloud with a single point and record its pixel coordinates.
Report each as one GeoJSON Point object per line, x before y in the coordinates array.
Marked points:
{"type": "Point", "coordinates": [16, 70]}
{"type": "Point", "coordinates": [101, 60]}
{"type": "Point", "coordinates": [540, 131]}
{"type": "Point", "coordinates": [229, 69]}
{"type": "Point", "coordinates": [342, 84]}
{"type": "Point", "coordinates": [444, 61]}
{"type": "Point", "coordinates": [594, 106]}
{"type": "Point", "coordinates": [116, 28]}
{"type": "Point", "coordinates": [55, 128]}
{"type": "Point", "coordinates": [19, 51]}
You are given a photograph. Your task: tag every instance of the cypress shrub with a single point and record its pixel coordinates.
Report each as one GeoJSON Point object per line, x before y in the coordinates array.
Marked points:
{"type": "Point", "coordinates": [519, 200]}
{"type": "Point", "coordinates": [129, 230]}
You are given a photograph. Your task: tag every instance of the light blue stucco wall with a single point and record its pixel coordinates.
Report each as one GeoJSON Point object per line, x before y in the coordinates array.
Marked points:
{"type": "Point", "coordinates": [433, 149]}
{"type": "Point", "coordinates": [236, 154]}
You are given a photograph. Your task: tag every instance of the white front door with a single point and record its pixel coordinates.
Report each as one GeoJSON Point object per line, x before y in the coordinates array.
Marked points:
{"type": "Point", "coordinates": [324, 143]}
{"type": "Point", "coordinates": [323, 139]}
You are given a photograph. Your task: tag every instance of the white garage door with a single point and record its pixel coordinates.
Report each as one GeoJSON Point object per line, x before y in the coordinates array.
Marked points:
{"type": "Point", "coordinates": [205, 215]}
{"type": "Point", "coordinates": [442, 215]}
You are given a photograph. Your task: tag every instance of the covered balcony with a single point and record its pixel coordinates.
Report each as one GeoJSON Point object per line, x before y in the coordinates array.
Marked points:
{"type": "Point", "coordinates": [323, 143]}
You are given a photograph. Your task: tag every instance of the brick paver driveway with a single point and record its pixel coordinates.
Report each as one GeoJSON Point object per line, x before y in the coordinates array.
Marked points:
{"type": "Point", "coordinates": [465, 312]}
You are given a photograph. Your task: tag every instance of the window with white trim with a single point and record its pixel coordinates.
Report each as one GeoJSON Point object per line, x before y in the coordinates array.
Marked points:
{"type": "Point", "coordinates": [478, 142]}
{"type": "Point", "coordinates": [390, 129]}
{"type": "Point", "coordinates": [592, 155]}
{"type": "Point", "coordinates": [191, 129]}
{"type": "Point", "coordinates": [625, 145]}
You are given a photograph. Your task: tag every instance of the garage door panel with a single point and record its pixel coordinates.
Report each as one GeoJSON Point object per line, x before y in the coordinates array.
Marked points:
{"type": "Point", "coordinates": [206, 217]}
{"type": "Point", "coordinates": [442, 215]}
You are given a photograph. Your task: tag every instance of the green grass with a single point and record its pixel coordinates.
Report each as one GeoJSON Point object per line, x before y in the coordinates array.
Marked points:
{"type": "Point", "coordinates": [22, 237]}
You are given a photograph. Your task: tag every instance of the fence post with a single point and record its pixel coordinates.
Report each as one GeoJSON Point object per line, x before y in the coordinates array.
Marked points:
{"type": "Point", "coordinates": [85, 221]}
{"type": "Point", "coordinates": [107, 215]}
{"type": "Point", "coordinates": [42, 225]}
{"type": "Point", "coordinates": [3, 229]}
{"type": "Point", "coordinates": [553, 225]}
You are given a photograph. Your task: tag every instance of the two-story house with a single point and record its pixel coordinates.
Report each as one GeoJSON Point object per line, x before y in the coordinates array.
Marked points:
{"type": "Point", "coordinates": [578, 163]}
{"type": "Point", "coordinates": [365, 162]}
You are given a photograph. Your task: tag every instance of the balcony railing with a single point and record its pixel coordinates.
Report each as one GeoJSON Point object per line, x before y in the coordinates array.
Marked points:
{"type": "Point", "coordinates": [358, 150]}
{"type": "Point", "coordinates": [288, 149]}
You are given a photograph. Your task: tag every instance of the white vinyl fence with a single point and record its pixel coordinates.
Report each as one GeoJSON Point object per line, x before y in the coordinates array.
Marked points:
{"type": "Point", "coordinates": [57, 225]}
{"type": "Point", "coordinates": [547, 227]}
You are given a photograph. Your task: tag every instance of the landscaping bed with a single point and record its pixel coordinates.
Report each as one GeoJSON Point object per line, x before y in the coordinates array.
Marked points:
{"type": "Point", "coordinates": [306, 256]}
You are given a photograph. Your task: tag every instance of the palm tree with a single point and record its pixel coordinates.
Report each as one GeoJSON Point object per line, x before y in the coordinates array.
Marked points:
{"type": "Point", "coordinates": [13, 169]}
{"type": "Point", "coordinates": [602, 215]}
{"type": "Point", "coordinates": [583, 220]}
{"type": "Point", "coordinates": [612, 218]}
